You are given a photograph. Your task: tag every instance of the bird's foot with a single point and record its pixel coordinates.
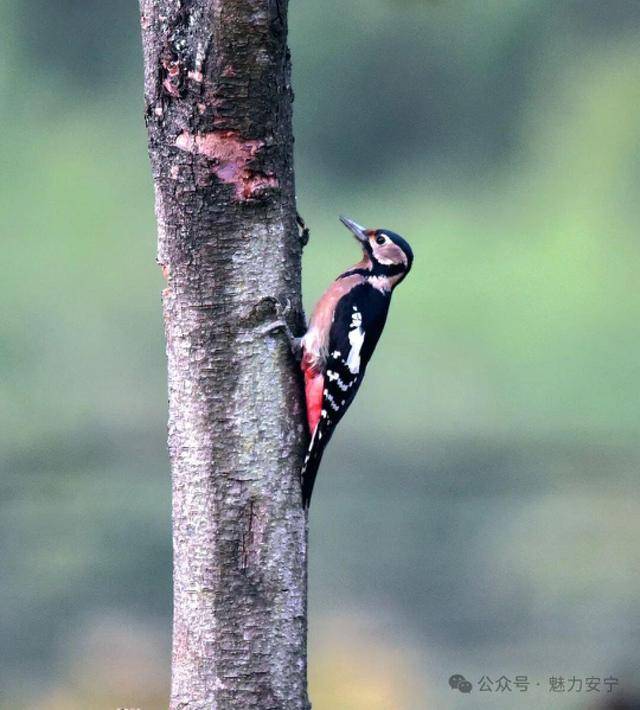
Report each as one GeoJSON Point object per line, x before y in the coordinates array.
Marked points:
{"type": "Point", "coordinates": [304, 230]}
{"type": "Point", "coordinates": [281, 324]}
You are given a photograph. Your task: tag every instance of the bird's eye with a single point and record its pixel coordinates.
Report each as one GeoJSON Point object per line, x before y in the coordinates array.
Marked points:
{"type": "Point", "coordinates": [381, 239]}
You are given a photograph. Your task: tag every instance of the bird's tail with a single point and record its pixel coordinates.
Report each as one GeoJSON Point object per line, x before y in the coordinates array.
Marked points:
{"type": "Point", "coordinates": [319, 440]}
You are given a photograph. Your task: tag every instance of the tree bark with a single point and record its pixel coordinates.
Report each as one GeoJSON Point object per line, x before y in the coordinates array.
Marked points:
{"type": "Point", "coordinates": [218, 110]}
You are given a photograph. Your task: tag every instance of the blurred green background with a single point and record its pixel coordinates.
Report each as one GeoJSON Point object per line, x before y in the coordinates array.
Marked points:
{"type": "Point", "coordinates": [478, 511]}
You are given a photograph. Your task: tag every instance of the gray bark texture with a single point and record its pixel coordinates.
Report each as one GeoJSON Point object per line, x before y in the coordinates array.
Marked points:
{"type": "Point", "coordinates": [218, 111]}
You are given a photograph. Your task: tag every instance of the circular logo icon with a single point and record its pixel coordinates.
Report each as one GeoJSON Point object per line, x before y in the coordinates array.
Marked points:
{"type": "Point", "coordinates": [459, 682]}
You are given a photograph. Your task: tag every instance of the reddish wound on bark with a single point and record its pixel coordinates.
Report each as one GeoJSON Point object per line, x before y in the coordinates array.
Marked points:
{"type": "Point", "coordinates": [232, 156]}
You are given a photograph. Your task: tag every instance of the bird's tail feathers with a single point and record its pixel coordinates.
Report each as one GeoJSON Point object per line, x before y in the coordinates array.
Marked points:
{"type": "Point", "coordinates": [319, 440]}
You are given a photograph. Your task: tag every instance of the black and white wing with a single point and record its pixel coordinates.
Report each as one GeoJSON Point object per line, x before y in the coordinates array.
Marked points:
{"type": "Point", "coordinates": [358, 321]}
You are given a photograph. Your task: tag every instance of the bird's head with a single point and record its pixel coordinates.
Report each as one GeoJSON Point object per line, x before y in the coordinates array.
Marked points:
{"type": "Point", "coordinates": [386, 254]}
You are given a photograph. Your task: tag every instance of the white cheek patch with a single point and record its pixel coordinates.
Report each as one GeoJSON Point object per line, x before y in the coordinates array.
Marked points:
{"type": "Point", "coordinates": [384, 261]}
{"type": "Point", "coordinates": [382, 283]}
{"type": "Point", "coordinates": [390, 254]}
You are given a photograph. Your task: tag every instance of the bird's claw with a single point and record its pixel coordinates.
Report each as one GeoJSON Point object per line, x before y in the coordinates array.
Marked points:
{"type": "Point", "coordinates": [304, 232]}
{"type": "Point", "coordinates": [283, 311]}
{"type": "Point", "coordinates": [281, 324]}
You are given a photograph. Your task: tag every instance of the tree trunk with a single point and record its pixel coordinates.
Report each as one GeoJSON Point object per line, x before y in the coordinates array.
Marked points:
{"type": "Point", "coordinates": [218, 110]}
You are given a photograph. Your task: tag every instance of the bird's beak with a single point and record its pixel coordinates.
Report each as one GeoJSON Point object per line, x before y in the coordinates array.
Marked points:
{"type": "Point", "coordinates": [356, 229]}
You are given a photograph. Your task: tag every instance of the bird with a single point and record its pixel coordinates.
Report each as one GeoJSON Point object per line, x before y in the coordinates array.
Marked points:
{"type": "Point", "coordinates": [343, 331]}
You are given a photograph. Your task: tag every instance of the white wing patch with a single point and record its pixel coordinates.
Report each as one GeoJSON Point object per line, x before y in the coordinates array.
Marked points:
{"type": "Point", "coordinates": [332, 402]}
{"type": "Point", "coordinates": [356, 338]}
{"type": "Point", "coordinates": [335, 377]}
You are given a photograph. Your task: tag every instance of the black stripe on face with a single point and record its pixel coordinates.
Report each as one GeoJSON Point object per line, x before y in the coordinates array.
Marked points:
{"type": "Point", "coordinates": [355, 272]}
{"type": "Point", "coordinates": [386, 269]}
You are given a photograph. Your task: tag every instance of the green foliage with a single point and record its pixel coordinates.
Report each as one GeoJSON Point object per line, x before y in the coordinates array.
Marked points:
{"type": "Point", "coordinates": [501, 139]}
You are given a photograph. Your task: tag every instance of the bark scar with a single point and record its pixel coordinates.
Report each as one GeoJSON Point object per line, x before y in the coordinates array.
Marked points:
{"type": "Point", "coordinates": [231, 156]}
{"type": "Point", "coordinates": [173, 76]}
{"type": "Point", "coordinates": [247, 539]}
{"type": "Point", "coordinates": [263, 310]}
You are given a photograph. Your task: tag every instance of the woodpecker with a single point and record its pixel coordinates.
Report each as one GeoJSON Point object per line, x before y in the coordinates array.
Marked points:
{"type": "Point", "coordinates": [343, 332]}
